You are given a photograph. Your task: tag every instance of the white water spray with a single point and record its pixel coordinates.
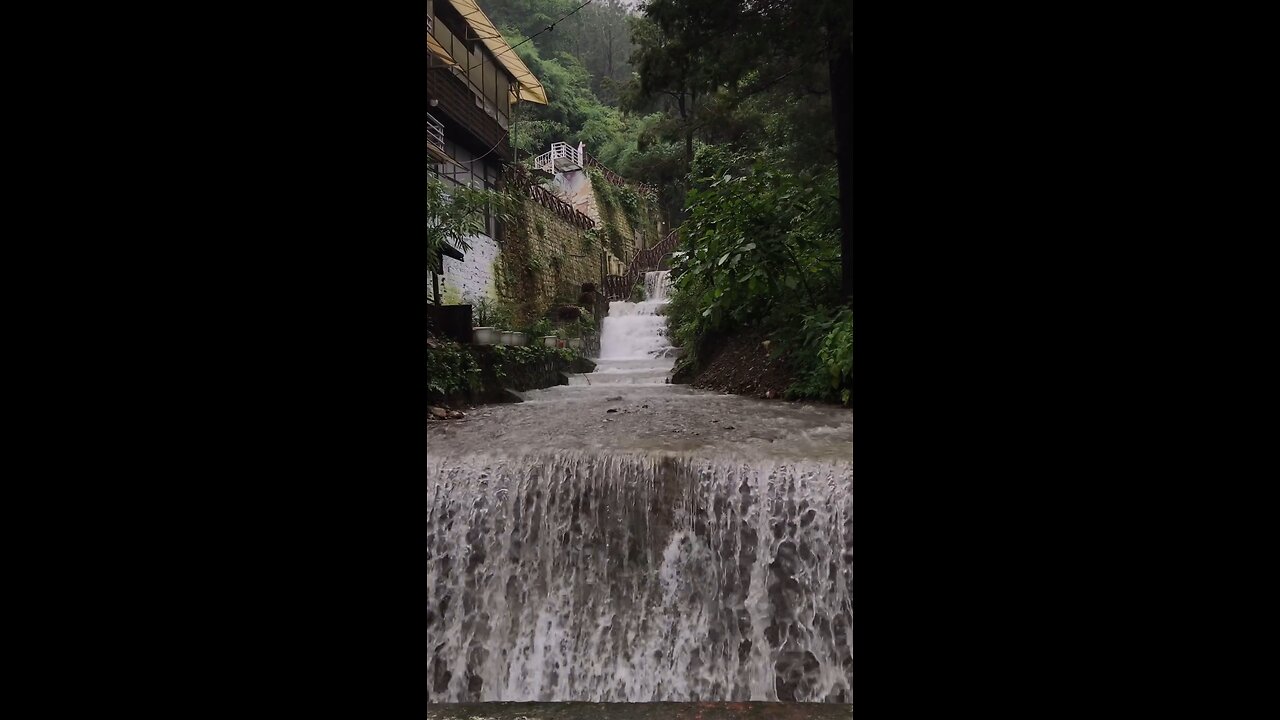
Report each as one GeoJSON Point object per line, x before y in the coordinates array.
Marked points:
{"type": "Point", "coordinates": [632, 578]}
{"type": "Point", "coordinates": [633, 345]}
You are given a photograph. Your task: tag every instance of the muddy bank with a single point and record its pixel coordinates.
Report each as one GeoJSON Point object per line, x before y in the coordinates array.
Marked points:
{"type": "Point", "coordinates": [741, 365]}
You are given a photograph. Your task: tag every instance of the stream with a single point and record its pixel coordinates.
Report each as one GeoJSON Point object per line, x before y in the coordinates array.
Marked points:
{"type": "Point", "coordinates": [622, 539]}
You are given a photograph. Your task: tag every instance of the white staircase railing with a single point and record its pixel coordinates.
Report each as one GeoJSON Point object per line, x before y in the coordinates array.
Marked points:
{"type": "Point", "coordinates": [562, 151]}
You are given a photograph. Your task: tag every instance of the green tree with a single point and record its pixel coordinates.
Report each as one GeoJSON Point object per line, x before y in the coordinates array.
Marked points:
{"type": "Point", "coordinates": [457, 213]}
{"type": "Point", "coordinates": [738, 48]}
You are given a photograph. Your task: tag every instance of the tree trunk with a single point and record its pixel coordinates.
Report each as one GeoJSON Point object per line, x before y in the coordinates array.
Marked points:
{"type": "Point", "coordinates": [840, 66]}
{"type": "Point", "coordinates": [688, 152]}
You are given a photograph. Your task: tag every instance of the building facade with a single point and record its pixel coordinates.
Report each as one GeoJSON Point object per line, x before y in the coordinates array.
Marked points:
{"type": "Point", "coordinates": [474, 79]}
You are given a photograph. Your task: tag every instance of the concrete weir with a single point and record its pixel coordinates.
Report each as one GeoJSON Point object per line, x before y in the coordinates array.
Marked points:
{"type": "Point", "coordinates": [639, 711]}
{"type": "Point", "coordinates": [679, 552]}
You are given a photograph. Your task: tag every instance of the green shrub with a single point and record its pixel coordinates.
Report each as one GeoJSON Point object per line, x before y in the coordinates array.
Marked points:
{"type": "Point", "coordinates": [540, 329]}
{"type": "Point", "coordinates": [820, 353]}
{"type": "Point", "coordinates": [517, 362]}
{"type": "Point", "coordinates": [760, 251]}
{"type": "Point", "coordinates": [450, 369]}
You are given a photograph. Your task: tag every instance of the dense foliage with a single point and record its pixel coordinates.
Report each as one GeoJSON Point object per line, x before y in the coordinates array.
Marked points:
{"type": "Point", "coordinates": [760, 251]}
{"type": "Point", "coordinates": [515, 361]}
{"type": "Point", "coordinates": [733, 110]}
{"type": "Point", "coordinates": [451, 369]}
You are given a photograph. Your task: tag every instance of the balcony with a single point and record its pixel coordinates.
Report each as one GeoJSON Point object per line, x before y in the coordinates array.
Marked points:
{"type": "Point", "coordinates": [560, 158]}
{"type": "Point", "coordinates": [435, 139]}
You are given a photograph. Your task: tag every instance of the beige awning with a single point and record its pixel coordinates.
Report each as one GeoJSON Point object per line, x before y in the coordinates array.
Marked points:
{"type": "Point", "coordinates": [438, 50]}
{"type": "Point", "coordinates": [530, 88]}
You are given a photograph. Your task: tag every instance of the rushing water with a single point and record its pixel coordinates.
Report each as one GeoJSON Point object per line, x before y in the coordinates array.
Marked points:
{"type": "Point", "coordinates": [634, 349]}
{"type": "Point", "coordinates": [630, 540]}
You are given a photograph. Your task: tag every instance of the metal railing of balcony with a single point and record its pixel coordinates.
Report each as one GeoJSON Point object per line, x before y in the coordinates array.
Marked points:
{"type": "Point", "coordinates": [435, 132]}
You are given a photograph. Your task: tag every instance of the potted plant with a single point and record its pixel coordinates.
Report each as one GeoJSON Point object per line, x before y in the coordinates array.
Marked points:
{"type": "Point", "coordinates": [486, 313]}
{"type": "Point", "coordinates": [518, 338]}
{"type": "Point", "coordinates": [508, 337]}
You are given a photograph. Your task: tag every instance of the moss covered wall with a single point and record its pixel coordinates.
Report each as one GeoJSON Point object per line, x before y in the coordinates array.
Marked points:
{"type": "Point", "coordinates": [628, 220]}
{"type": "Point", "coordinates": [542, 260]}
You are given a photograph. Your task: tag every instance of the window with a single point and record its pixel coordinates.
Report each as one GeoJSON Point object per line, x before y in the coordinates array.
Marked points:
{"type": "Point", "coordinates": [449, 17]}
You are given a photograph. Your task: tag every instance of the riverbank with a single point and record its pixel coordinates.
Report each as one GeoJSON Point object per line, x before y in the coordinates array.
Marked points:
{"type": "Point", "coordinates": [741, 365]}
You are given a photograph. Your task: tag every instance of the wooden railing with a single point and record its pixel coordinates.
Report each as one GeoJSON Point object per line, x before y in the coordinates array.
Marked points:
{"type": "Point", "coordinates": [617, 179]}
{"type": "Point", "coordinates": [648, 259]}
{"type": "Point", "coordinates": [521, 178]}
{"type": "Point", "coordinates": [618, 287]}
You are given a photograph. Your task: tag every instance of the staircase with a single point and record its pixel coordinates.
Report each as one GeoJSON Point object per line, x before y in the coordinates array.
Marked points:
{"type": "Point", "coordinates": [618, 287]}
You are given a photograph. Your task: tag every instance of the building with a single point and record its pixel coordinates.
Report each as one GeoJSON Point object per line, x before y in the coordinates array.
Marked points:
{"type": "Point", "coordinates": [474, 79]}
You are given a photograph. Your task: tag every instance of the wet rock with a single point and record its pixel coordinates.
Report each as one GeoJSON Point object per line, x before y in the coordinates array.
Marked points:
{"type": "Point", "coordinates": [456, 415]}
{"type": "Point", "coordinates": [769, 394]}
{"type": "Point", "coordinates": [644, 406]}
{"type": "Point", "coordinates": [612, 410]}
{"type": "Point", "coordinates": [728, 427]}
{"type": "Point", "coordinates": [614, 398]}
{"type": "Point", "coordinates": [438, 412]}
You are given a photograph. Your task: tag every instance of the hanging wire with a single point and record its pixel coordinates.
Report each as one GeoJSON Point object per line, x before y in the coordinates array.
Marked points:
{"type": "Point", "coordinates": [552, 26]}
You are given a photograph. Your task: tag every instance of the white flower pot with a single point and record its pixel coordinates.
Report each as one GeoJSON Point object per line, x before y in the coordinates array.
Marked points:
{"type": "Point", "coordinates": [575, 343]}
{"type": "Point", "coordinates": [486, 336]}
{"type": "Point", "coordinates": [508, 337]}
{"type": "Point", "coordinates": [517, 338]}
{"type": "Point", "coordinates": [549, 341]}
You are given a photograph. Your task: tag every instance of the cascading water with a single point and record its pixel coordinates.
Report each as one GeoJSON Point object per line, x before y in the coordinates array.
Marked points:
{"type": "Point", "coordinates": [633, 344]}
{"type": "Point", "coordinates": [639, 579]}
{"type": "Point", "coordinates": [660, 544]}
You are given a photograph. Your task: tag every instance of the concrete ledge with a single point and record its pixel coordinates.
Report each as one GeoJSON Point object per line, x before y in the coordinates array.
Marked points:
{"type": "Point", "coordinates": [640, 711]}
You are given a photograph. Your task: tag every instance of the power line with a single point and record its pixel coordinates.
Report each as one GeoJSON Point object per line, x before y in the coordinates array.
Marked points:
{"type": "Point", "coordinates": [552, 26]}
{"type": "Point", "coordinates": [512, 49]}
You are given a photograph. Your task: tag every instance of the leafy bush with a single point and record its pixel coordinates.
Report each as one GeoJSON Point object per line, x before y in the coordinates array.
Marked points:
{"type": "Point", "coordinates": [517, 362]}
{"type": "Point", "coordinates": [450, 369]}
{"type": "Point", "coordinates": [456, 212]}
{"type": "Point", "coordinates": [821, 354]}
{"type": "Point", "coordinates": [761, 250]}
{"type": "Point", "coordinates": [584, 326]}
{"type": "Point", "coordinates": [540, 329]}
{"type": "Point", "coordinates": [637, 293]}
{"type": "Point", "coordinates": [487, 312]}
{"type": "Point", "coordinates": [629, 199]}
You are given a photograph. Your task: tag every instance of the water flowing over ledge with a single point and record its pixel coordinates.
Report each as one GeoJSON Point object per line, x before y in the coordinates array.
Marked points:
{"type": "Point", "coordinates": [638, 578]}
{"type": "Point", "coordinates": [626, 540]}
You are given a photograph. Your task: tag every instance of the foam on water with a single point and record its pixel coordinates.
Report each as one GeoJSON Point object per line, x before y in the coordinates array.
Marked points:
{"type": "Point", "coordinates": [633, 343]}
{"type": "Point", "coordinates": [634, 578]}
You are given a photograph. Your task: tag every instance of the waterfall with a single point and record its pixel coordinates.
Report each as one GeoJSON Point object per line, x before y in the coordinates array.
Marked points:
{"type": "Point", "coordinates": [633, 344]}
{"type": "Point", "coordinates": [637, 578]}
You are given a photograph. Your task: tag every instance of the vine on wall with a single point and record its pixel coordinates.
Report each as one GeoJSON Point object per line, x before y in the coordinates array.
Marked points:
{"type": "Point", "coordinates": [625, 215]}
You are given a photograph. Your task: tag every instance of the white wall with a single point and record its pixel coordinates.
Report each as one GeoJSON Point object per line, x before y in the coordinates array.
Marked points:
{"type": "Point", "coordinates": [472, 277]}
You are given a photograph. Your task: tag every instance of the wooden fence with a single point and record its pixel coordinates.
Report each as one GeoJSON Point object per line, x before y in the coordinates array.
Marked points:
{"type": "Point", "coordinates": [522, 179]}
{"type": "Point", "coordinates": [618, 287]}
